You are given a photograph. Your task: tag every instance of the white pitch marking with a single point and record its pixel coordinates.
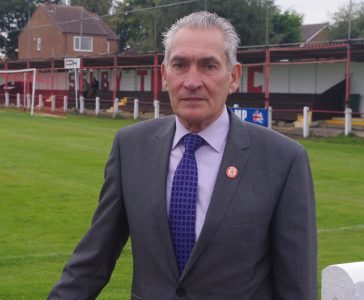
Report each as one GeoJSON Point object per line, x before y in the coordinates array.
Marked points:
{"type": "Point", "coordinates": [345, 228]}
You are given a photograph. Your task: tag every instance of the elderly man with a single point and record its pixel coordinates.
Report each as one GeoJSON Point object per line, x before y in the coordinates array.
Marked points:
{"type": "Point", "coordinates": [215, 208]}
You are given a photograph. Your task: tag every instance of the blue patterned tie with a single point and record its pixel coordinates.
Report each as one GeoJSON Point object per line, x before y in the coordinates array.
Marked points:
{"type": "Point", "coordinates": [182, 209]}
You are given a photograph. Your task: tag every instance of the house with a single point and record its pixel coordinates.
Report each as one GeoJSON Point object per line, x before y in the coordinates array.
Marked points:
{"type": "Point", "coordinates": [59, 31]}
{"type": "Point", "coordinates": [312, 33]}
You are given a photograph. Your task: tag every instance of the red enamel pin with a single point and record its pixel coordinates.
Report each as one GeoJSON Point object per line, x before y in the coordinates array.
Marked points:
{"type": "Point", "coordinates": [232, 172]}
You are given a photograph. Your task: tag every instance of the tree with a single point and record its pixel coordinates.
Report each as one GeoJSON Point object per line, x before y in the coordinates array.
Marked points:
{"type": "Point", "coordinates": [13, 17]}
{"type": "Point", "coordinates": [100, 7]}
{"type": "Point", "coordinates": [340, 25]}
{"type": "Point", "coordinates": [139, 23]}
{"type": "Point", "coordinates": [286, 27]}
{"type": "Point", "coordinates": [131, 24]}
{"type": "Point", "coordinates": [250, 20]}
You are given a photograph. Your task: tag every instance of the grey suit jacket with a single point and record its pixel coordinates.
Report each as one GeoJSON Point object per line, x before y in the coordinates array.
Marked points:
{"type": "Point", "coordinates": [259, 236]}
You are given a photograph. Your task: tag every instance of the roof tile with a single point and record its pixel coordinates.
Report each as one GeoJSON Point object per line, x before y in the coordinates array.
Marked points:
{"type": "Point", "coordinates": [76, 19]}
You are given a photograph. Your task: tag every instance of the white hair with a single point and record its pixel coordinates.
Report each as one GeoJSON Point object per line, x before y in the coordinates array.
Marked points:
{"type": "Point", "coordinates": [204, 19]}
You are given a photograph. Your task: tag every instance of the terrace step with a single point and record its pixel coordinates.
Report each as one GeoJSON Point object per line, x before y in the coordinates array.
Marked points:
{"type": "Point", "coordinates": [357, 122]}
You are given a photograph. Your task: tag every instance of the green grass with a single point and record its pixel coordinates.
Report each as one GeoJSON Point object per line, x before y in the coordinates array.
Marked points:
{"type": "Point", "coordinates": [51, 171]}
{"type": "Point", "coordinates": [50, 176]}
{"type": "Point", "coordinates": [338, 168]}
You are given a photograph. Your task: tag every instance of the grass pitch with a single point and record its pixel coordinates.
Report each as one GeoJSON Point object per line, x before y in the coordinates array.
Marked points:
{"type": "Point", "coordinates": [51, 171]}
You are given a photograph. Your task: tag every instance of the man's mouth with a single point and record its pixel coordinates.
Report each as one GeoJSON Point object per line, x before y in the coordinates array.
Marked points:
{"type": "Point", "coordinates": [192, 98]}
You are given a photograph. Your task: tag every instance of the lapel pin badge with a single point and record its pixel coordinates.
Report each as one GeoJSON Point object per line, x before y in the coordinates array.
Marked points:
{"type": "Point", "coordinates": [232, 172]}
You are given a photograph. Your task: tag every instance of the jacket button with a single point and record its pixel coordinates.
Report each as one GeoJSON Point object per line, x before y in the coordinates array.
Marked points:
{"type": "Point", "coordinates": [181, 292]}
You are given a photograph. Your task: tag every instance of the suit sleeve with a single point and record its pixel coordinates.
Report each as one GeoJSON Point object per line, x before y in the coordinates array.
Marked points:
{"type": "Point", "coordinates": [294, 235]}
{"type": "Point", "coordinates": [93, 260]}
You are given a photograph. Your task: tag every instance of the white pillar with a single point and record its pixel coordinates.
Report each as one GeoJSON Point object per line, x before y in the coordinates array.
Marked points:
{"type": "Point", "coordinates": [97, 105]}
{"type": "Point", "coordinates": [306, 123]}
{"type": "Point", "coordinates": [28, 101]}
{"type": "Point", "coordinates": [156, 108]}
{"type": "Point", "coordinates": [270, 113]}
{"type": "Point", "coordinates": [238, 112]}
{"type": "Point", "coordinates": [65, 103]}
{"type": "Point", "coordinates": [343, 281]}
{"type": "Point", "coordinates": [18, 100]}
{"type": "Point", "coordinates": [53, 103]}
{"type": "Point", "coordinates": [348, 121]}
{"type": "Point", "coordinates": [116, 107]}
{"type": "Point", "coordinates": [82, 105]}
{"type": "Point", "coordinates": [136, 109]}
{"type": "Point", "coordinates": [40, 102]}
{"type": "Point", "coordinates": [7, 102]}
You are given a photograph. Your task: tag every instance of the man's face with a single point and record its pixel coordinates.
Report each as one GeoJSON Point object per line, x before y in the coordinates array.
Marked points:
{"type": "Point", "coordinates": [197, 78]}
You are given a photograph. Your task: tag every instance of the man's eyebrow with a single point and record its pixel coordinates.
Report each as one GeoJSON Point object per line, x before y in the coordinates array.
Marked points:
{"type": "Point", "coordinates": [204, 59]}
{"type": "Point", "coordinates": [209, 59]}
{"type": "Point", "coordinates": [178, 58]}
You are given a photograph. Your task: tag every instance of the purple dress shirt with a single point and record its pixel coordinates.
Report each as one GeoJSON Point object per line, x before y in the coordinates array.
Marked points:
{"type": "Point", "coordinates": [208, 158]}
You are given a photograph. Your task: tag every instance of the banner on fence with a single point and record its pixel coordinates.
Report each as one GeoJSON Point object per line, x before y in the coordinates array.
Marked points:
{"type": "Point", "coordinates": [253, 115]}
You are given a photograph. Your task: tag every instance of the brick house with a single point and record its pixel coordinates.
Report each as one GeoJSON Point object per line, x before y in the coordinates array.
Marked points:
{"type": "Point", "coordinates": [312, 33]}
{"type": "Point", "coordinates": [58, 31]}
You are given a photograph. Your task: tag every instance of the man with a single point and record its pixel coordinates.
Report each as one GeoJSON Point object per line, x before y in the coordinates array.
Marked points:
{"type": "Point", "coordinates": [94, 86]}
{"type": "Point", "coordinates": [245, 226]}
{"type": "Point", "coordinates": [86, 88]}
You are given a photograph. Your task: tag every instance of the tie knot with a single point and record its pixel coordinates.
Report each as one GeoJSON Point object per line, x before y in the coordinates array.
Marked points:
{"type": "Point", "coordinates": [192, 142]}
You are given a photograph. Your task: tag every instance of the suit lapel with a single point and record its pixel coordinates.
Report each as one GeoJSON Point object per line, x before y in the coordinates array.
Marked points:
{"type": "Point", "coordinates": [160, 156]}
{"type": "Point", "coordinates": [236, 155]}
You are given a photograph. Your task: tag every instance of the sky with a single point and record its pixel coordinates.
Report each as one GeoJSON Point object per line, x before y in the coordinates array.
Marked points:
{"type": "Point", "coordinates": [314, 11]}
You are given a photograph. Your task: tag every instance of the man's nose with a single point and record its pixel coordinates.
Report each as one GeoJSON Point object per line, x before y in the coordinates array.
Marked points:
{"type": "Point", "coordinates": [193, 78]}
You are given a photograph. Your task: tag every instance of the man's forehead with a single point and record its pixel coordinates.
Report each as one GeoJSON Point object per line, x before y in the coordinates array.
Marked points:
{"type": "Point", "coordinates": [211, 38]}
{"type": "Point", "coordinates": [183, 56]}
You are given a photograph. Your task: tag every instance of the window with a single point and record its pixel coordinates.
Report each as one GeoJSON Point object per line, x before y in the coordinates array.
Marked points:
{"type": "Point", "coordinates": [82, 43]}
{"type": "Point", "coordinates": [38, 43]}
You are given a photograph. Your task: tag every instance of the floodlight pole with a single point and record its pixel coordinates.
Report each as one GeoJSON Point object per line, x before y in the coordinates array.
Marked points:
{"type": "Point", "coordinates": [348, 58]}
{"type": "Point", "coordinates": [267, 57]}
{"type": "Point", "coordinates": [350, 19]}
{"type": "Point", "coordinates": [266, 24]}
{"type": "Point", "coordinates": [33, 91]}
{"type": "Point", "coordinates": [25, 90]}
{"type": "Point", "coordinates": [76, 88]}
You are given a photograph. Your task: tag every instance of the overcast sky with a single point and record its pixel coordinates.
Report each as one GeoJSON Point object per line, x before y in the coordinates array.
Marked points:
{"type": "Point", "coordinates": [314, 11]}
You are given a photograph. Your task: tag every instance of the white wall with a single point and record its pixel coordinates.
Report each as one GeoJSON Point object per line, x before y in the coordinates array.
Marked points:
{"type": "Point", "coordinates": [329, 75]}
{"type": "Point", "coordinates": [128, 80]}
{"type": "Point", "coordinates": [44, 80]}
{"type": "Point", "coordinates": [357, 82]}
{"type": "Point", "coordinates": [305, 78]}
{"type": "Point", "coordinates": [308, 78]}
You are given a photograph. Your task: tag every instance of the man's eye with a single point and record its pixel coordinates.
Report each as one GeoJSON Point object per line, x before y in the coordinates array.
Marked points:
{"type": "Point", "coordinates": [210, 67]}
{"type": "Point", "coordinates": [178, 66]}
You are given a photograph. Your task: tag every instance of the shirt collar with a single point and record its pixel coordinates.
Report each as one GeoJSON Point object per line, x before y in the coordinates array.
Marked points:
{"type": "Point", "coordinates": [215, 134]}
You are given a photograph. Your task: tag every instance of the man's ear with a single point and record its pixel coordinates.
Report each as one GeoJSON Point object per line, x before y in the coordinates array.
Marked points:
{"type": "Point", "coordinates": [235, 78]}
{"type": "Point", "coordinates": [164, 75]}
